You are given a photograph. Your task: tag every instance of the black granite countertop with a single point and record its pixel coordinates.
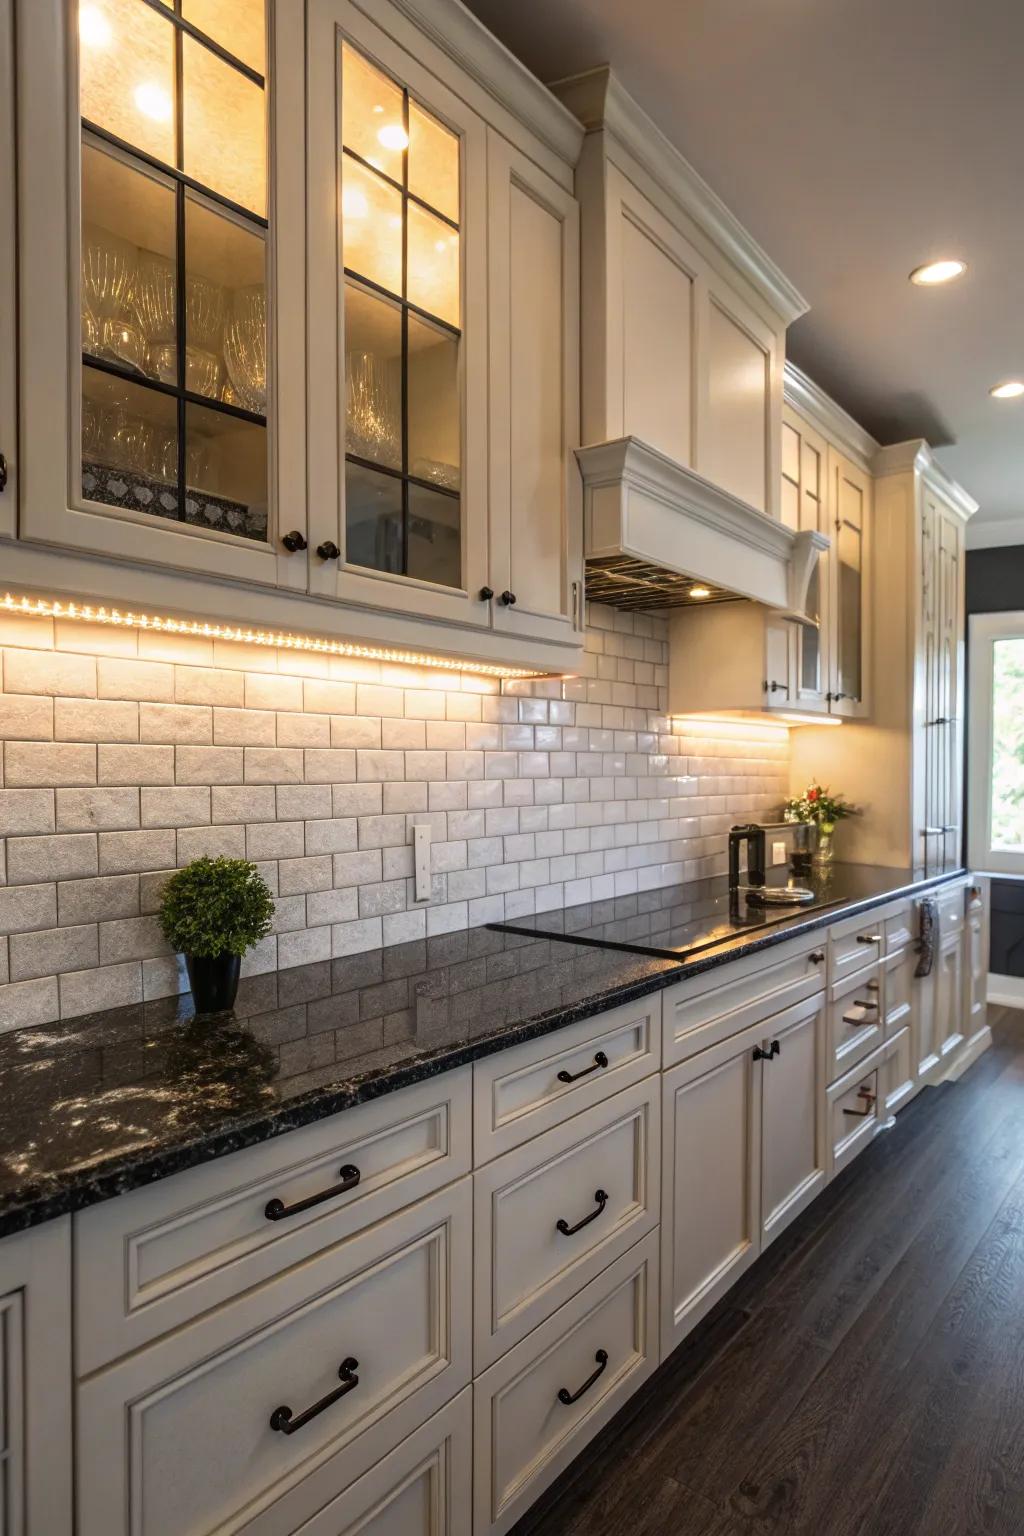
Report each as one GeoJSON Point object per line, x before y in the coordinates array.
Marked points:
{"type": "Point", "coordinates": [95, 1106]}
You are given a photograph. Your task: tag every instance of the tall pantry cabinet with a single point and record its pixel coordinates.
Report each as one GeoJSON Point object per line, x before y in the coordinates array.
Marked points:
{"type": "Point", "coordinates": [904, 770]}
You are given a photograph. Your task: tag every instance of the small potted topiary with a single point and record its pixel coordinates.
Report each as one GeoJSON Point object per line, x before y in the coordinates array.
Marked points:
{"type": "Point", "coordinates": [212, 911]}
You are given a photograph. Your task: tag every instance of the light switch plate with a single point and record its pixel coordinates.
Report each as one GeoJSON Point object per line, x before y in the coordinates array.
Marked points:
{"type": "Point", "coordinates": [421, 859]}
{"type": "Point", "coordinates": [778, 853]}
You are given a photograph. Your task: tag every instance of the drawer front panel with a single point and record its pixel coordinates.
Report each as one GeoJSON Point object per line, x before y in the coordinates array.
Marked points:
{"type": "Point", "coordinates": [856, 1109]}
{"type": "Point", "coordinates": [157, 1257]}
{"type": "Point", "coordinates": [182, 1437]}
{"type": "Point", "coordinates": [551, 1215]}
{"type": "Point", "coordinates": [899, 929]}
{"type": "Point", "coordinates": [855, 1020]}
{"type": "Point", "coordinates": [524, 1432]}
{"type": "Point", "coordinates": [898, 991]}
{"type": "Point", "coordinates": [899, 1071]}
{"type": "Point", "coordinates": [853, 946]}
{"type": "Point", "coordinates": [698, 1015]}
{"type": "Point", "coordinates": [533, 1087]}
{"type": "Point", "coordinates": [951, 911]}
{"type": "Point", "coordinates": [422, 1488]}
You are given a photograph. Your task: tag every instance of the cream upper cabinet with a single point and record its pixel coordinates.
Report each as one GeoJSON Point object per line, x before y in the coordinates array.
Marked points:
{"type": "Point", "coordinates": [683, 317]}
{"type": "Point", "coordinates": [805, 505]}
{"type": "Point", "coordinates": [161, 283]}
{"type": "Point", "coordinates": [443, 351]}
{"type": "Point", "coordinates": [850, 596]}
{"type": "Point", "coordinates": [942, 582]}
{"type": "Point", "coordinates": [8, 288]}
{"type": "Point", "coordinates": [536, 517]}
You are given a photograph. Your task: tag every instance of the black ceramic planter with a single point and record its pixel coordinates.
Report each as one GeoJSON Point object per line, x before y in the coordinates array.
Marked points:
{"type": "Point", "coordinates": [214, 981]}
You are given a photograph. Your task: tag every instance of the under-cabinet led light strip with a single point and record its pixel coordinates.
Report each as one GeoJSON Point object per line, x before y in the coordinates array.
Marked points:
{"type": "Point", "coordinates": [51, 608]}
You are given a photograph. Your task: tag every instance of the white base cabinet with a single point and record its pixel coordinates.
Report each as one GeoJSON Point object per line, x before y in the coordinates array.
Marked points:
{"type": "Point", "coordinates": [424, 1350]}
{"type": "Point", "coordinates": [744, 1155]}
{"type": "Point", "coordinates": [35, 1382]}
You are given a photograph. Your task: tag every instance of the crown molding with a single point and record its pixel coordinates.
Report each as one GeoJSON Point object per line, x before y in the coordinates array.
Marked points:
{"type": "Point", "coordinates": [469, 44]}
{"type": "Point", "coordinates": [601, 102]}
{"type": "Point", "coordinates": [641, 503]}
{"type": "Point", "coordinates": [801, 392]}
{"type": "Point", "coordinates": [916, 457]}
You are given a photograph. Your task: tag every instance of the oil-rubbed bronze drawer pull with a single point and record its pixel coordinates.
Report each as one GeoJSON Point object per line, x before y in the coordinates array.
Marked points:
{"type": "Point", "coordinates": [563, 1226]}
{"type": "Point", "coordinates": [857, 1020]}
{"type": "Point", "coordinates": [775, 1049]}
{"type": "Point", "coordinates": [276, 1210]}
{"type": "Point", "coordinates": [567, 1397]}
{"type": "Point", "coordinates": [869, 938]}
{"type": "Point", "coordinates": [600, 1060]}
{"type": "Point", "coordinates": [868, 1099]}
{"type": "Point", "coordinates": [282, 1419]}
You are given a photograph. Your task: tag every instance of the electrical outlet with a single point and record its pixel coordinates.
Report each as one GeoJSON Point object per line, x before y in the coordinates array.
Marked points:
{"type": "Point", "coordinates": [779, 853]}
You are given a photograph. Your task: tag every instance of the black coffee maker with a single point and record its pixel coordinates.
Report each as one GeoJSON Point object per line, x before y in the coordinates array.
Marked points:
{"type": "Point", "coordinates": [753, 836]}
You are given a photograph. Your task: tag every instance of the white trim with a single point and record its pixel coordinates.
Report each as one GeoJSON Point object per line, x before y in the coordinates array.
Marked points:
{"type": "Point", "coordinates": [995, 532]}
{"type": "Point", "coordinates": [600, 101]}
{"type": "Point", "coordinates": [984, 629]}
{"type": "Point", "coordinates": [976, 1046]}
{"type": "Point", "coordinates": [639, 502]}
{"type": "Point", "coordinates": [1005, 991]}
{"type": "Point", "coordinates": [467, 42]}
{"type": "Point", "coordinates": [915, 456]}
{"type": "Point", "coordinates": [810, 400]}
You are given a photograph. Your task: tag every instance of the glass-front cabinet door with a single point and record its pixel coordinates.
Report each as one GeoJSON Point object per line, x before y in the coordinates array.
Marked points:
{"type": "Point", "coordinates": [851, 526]}
{"type": "Point", "coordinates": [8, 289]}
{"type": "Point", "coordinates": [804, 505]}
{"type": "Point", "coordinates": [397, 325]}
{"type": "Point", "coordinates": [162, 282]}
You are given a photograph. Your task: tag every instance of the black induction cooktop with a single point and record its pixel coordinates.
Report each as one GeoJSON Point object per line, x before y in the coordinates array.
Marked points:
{"type": "Point", "coordinates": [674, 922]}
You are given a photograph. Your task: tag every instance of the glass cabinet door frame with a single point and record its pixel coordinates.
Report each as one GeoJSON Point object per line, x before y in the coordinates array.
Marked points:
{"type": "Point", "coordinates": [52, 507]}
{"type": "Point", "coordinates": [850, 708]}
{"type": "Point", "coordinates": [813, 513]}
{"type": "Point", "coordinates": [329, 24]}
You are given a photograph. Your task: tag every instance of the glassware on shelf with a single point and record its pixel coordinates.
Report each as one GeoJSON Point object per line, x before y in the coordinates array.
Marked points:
{"type": "Point", "coordinates": [373, 408]}
{"type": "Point", "coordinates": [109, 288]}
{"type": "Point", "coordinates": [438, 473]}
{"type": "Point", "coordinates": [245, 349]}
{"type": "Point", "coordinates": [205, 307]}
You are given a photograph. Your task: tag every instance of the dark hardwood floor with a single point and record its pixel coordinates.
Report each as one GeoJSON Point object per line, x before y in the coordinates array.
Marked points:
{"type": "Point", "coordinates": [866, 1377]}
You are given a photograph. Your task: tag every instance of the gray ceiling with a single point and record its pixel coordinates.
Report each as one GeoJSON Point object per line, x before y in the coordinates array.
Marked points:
{"type": "Point", "coordinates": [855, 139]}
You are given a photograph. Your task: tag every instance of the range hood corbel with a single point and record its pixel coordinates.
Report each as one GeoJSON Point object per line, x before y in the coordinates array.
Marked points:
{"type": "Point", "coordinates": [653, 528]}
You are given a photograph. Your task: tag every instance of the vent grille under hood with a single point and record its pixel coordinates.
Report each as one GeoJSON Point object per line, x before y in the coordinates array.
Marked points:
{"type": "Point", "coordinates": [654, 529]}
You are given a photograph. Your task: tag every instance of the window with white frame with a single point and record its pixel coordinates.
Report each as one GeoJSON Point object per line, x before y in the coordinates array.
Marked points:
{"type": "Point", "coordinates": [995, 764]}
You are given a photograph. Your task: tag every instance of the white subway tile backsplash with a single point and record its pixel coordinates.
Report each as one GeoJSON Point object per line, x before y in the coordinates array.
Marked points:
{"type": "Point", "coordinates": [553, 791]}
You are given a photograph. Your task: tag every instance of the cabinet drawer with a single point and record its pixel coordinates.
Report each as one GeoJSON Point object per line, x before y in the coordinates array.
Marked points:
{"type": "Point", "coordinates": [422, 1488]}
{"type": "Point", "coordinates": [853, 944]}
{"type": "Point", "coordinates": [856, 1110]}
{"type": "Point", "coordinates": [899, 1071]}
{"type": "Point", "coordinates": [898, 990]}
{"type": "Point", "coordinates": [156, 1258]}
{"type": "Point", "coordinates": [597, 1350]}
{"type": "Point", "coordinates": [952, 906]}
{"type": "Point", "coordinates": [180, 1437]}
{"type": "Point", "coordinates": [898, 928]}
{"type": "Point", "coordinates": [597, 1176]}
{"type": "Point", "coordinates": [855, 1020]}
{"type": "Point", "coordinates": [534, 1086]}
{"type": "Point", "coordinates": [701, 1012]}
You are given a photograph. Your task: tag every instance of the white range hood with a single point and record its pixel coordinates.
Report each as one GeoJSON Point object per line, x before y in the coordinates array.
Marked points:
{"type": "Point", "coordinates": [653, 529]}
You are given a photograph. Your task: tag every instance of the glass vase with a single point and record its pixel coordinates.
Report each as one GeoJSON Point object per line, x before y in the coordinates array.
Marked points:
{"type": "Point", "coordinates": [823, 853]}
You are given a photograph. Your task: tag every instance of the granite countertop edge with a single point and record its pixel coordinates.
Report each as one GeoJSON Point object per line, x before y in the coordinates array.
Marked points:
{"type": "Point", "coordinates": [68, 1191]}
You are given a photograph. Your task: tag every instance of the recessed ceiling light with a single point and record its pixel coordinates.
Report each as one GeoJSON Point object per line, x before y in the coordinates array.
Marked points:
{"type": "Point", "coordinates": [935, 272]}
{"type": "Point", "coordinates": [700, 591]}
{"type": "Point", "coordinates": [1011, 390]}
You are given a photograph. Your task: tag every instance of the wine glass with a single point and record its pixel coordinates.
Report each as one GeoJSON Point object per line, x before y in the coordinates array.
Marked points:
{"type": "Point", "coordinates": [245, 348]}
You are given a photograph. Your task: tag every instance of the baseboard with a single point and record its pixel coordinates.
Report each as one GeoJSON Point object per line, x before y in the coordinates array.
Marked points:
{"type": "Point", "coordinates": [976, 1046]}
{"type": "Point", "coordinates": [1006, 991]}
